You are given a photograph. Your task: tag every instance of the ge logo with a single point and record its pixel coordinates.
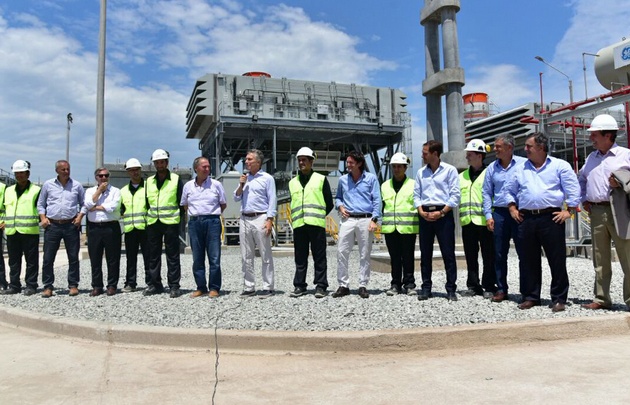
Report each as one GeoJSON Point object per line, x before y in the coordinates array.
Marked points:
{"type": "Point", "coordinates": [625, 53]}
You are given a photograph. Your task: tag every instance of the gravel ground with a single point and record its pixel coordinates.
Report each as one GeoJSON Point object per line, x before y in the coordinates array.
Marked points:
{"type": "Point", "coordinates": [281, 312]}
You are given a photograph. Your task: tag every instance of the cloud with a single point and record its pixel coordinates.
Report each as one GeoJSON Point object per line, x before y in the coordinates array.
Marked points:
{"type": "Point", "coordinates": [503, 83]}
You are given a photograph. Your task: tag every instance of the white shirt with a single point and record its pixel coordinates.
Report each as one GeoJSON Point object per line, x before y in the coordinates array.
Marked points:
{"type": "Point", "coordinates": [109, 200]}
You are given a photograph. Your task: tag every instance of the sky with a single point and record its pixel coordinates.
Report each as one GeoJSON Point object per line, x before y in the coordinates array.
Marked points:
{"type": "Point", "coordinates": [156, 49]}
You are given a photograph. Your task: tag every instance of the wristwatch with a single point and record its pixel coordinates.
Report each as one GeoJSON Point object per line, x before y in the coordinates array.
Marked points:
{"type": "Point", "coordinates": [375, 220]}
{"type": "Point", "coordinates": [442, 213]}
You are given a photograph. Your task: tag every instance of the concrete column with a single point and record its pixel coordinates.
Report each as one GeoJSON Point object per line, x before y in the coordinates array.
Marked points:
{"type": "Point", "coordinates": [434, 117]}
{"type": "Point", "coordinates": [432, 66]}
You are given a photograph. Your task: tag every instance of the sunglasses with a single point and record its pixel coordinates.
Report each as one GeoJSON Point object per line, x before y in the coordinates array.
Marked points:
{"type": "Point", "coordinates": [103, 175]}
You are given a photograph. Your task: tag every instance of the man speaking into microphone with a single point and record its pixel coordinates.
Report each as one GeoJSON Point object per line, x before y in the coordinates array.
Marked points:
{"type": "Point", "coordinates": [257, 194]}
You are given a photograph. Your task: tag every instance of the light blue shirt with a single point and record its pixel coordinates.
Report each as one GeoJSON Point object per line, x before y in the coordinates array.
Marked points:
{"type": "Point", "coordinates": [205, 199]}
{"type": "Point", "coordinates": [259, 194]}
{"type": "Point", "coordinates": [362, 197]}
{"type": "Point", "coordinates": [437, 188]}
{"type": "Point", "coordinates": [59, 202]}
{"type": "Point", "coordinates": [493, 193]}
{"type": "Point", "coordinates": [550, 186]}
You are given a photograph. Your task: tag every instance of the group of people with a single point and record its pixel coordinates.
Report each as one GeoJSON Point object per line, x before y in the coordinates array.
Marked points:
{"type": "Point", "coordinates": [523, 199]}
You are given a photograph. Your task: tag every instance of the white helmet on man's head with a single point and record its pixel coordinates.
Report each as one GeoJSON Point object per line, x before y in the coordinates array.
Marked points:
{"type": "Point", "coordinates": [132, 164]}
{"type": "Point", "coordinates": [399, 159]}
{"type": "Point", "coordinates": [20, 166]}
{"type": "Point", "coordinates": [476, 145]}
{"type": "Point", "coordinates": [159, 154]}
{"type": "Point", "coordinates": [603, 122]}
{"type": "Point", "coordinates": [306, 151]}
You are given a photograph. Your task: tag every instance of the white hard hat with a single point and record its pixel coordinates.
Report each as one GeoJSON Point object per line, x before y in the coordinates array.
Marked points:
{"type": "Point", "coordinates": [399, 159]}
{"type": "Point", "coordinates": [159, 154]}
{"type": "Point", "coordinates": [306, 151]}
{"type": "Point", "coordinates": [604, 122]}
{"type": "Point", "coordinates": [20, 166]}
{"type": "Point", "coordinates": [476, 145]}
{"type": "Point", "coordinates": [132, 164]}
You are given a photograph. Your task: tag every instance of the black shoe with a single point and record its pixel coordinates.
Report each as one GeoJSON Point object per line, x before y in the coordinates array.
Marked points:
{"type": "Point", "coordinates": [451, 296]}
{"type": "Point", "coordinates": [175, 293]}
{"type": "Point", "coordinates": [246, 294]}
{"type": "Point", "coordinates": [341, 292]}
{"type": "Point", "coordinates": [28, 291]}
{"type": "Point", "coordinates": [10, 291]}
{"type": "Point", "coordinates": [424, 295]}
{"type": "Point", "coordinates": [265, 294]}
{"type": "Point", "coordinates": [320, 292]}
{"type": "Point", "coordinates": [363, 292]}
{"type": "Point", "coordinates": [298, 292]}
{"type": "Point", "coordinates": [151, 290]}
{"type": "Point", "coordinates": [471, 292]}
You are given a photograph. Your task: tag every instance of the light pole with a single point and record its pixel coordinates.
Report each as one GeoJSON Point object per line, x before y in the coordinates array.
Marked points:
{"type": "Point", "coordinates": [100, 88]}
{"type": "Point", "coordinates": [574, 135]}
{"type": "Point", "coordinates": [68, 121]}
{"type": "Point", "coordinates": [562, 73]}
{"type": "Point", "coordinates": [584, 69]}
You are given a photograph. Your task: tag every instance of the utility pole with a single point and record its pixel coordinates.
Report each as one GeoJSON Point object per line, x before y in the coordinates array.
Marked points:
{"type": "Point", "coordinates": [100, 90]}
{"type": "Point", "coordinates": [68, 121]}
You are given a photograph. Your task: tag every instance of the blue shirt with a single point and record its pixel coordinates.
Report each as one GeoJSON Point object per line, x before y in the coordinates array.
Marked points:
{"type": "Point", "coordinates": [439, 188]}
{"type": "Point", "coordinates": [59, 202]}
{"type": "Point", "coordinates": [259, 194]}
{"type": "Point", "coordinates": [205, 199]}
{"type": "Point", "coordinates": [362, 197]}
{"type": "Point", "coordinates": [546, 187]}
{"type": "Point", "coordinates": [493, 193]}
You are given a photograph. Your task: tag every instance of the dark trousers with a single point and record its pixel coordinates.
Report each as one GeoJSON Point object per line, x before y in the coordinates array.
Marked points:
{"type": "Point", "coordinates": [19, 245]}
{"type": "Point", "coordinates": [3, 271]}
{"type": "Point", "coordinates": [136, 240]}
{"type": "Point", "coordinates": [505, 228]}
{"type": "Point", "coordinates": [316, 237]}
{"type": "Point", "coordinates": [157, 234]}
{"type": "Point", "coordinates": [444, 230]}
{"type": "Point", "coordinates": [539, 231]}
{"type": "Point", "coordinates": [104, 237]}
{"type": "Point", "coordinates": [53, 235]}
{"type": "Point", "coordinates": [401, 248]}
{"type": "Point", "coordinates": [474, 237]}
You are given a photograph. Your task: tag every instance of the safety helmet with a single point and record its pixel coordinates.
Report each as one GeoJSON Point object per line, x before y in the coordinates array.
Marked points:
{"type": "Point", "coordinates": [399, 159]}
{"type": "Point", "coordinates": [603, 122]}
{"type": "Point", "coordinates": [20, 166]}
{"type": "Point", "coordinates": [306, 151]}
{"type": "Point", "coordinates": [477, 145]}
{"type": "Point", "coordinates": [132, 164]}
{"type": "Point", "coordinates": [159, 154]}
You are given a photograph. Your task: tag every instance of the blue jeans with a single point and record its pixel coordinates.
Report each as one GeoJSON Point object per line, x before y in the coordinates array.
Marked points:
{"type": "Point", "coordinates": [505, 228]}
{"type": "Point", "coordinates": [205, 238]}
{"type": "Point", "coordinates": [53, 235]}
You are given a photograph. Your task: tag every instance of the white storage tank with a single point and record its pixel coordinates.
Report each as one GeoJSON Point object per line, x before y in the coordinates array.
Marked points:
{"type": "Point", "coordinates": [612, 67]}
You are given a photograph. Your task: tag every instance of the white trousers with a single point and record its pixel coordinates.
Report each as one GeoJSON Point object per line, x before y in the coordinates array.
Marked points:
{"type": "Point", "coordinates": [252, 234]}
{"type": "Point", "coordinates": [352, 229]}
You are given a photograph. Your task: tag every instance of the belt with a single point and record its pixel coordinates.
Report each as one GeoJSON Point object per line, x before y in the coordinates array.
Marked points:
{"type": "Point", "coordinates": [104, 223]}
{"type": "Point", "coordinates": [602, 203]}
{"type": "Point", "coordinates": [60, 221]}
{"type": "Point", "coordinates": [209, 216]}
{"type": "Point", "coordinates": [431, 208]}
{"type": "Point", "coordinates": [252, 214]}
{"type": "Point", "coordinates": [360, 215]}
{"type": "Point", "coordinates": [540, 211]}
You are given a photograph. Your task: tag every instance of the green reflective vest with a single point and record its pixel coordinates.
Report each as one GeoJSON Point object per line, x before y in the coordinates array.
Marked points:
{"type": "Point", "coordinates": [3, 187]}
{"type": "Point", "coordinates": [471, 205]}
{"type": "Point", "coordinates": [21, 212]}
{"type": "Point", "coordinates": [135, 216]}
{"type": "Point", "coordinates": [399, 213]}
{"type": "Point", "coordinates": [163, 204]}
{"type": "Point", "coordinates": [307, 203]}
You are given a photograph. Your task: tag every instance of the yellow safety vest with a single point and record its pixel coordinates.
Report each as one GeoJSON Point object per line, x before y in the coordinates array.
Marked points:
{"type": "Point", "coordinates": [3, 187]}
{"type": "Point", "coordinates": [163, 204]}
{"type": "Point", "coordinates": [307, 203]}
{"type": "Point", "coordinates": [21, 211]}
{"type": "Point", "coordinates": [399, 214]}
{"type": "Point", "coordinates": [471, 205]}
{"type": "Point", "coordinates": [135, 216]}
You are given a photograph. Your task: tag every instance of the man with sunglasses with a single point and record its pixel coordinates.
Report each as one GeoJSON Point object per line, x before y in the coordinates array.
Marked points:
{"type": "Point", "coordinates": [102, 206]}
